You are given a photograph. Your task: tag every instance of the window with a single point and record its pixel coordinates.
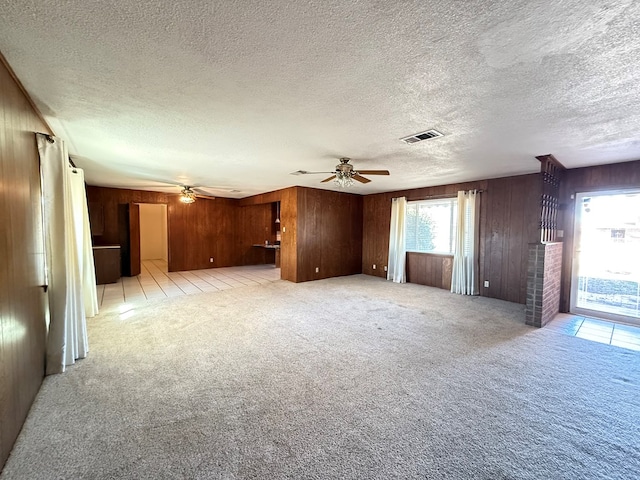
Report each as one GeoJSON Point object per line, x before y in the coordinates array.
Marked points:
{"type": "Point", "coordinates": [431, 225]}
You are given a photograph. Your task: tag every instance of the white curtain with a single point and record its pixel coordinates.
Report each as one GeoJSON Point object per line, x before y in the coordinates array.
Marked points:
{"type": "Point", "coordinates": [464, 278]}
{"type": "Point", "coordinates": [84, 244]}
{"type": "Point", "coordinates": [397, 248]}
{"type": "Point", "coordinates": [69, 259]}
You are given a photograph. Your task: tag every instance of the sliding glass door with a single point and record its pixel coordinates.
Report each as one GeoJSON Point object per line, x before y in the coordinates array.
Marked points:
{"type": "Point", "coordinates": [606, 264]}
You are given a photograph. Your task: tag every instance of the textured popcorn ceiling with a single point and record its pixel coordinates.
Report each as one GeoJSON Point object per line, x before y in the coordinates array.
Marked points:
{"type": "Point", "coordinates": [238, 94]}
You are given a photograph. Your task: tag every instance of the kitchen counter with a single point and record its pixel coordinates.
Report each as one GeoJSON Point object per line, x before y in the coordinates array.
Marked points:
{"type": "Point", "coordinates": [272, 247]}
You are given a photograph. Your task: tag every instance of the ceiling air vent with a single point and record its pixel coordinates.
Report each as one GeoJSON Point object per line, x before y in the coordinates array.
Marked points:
{"type": "Point", "coordinates": [418, 137]}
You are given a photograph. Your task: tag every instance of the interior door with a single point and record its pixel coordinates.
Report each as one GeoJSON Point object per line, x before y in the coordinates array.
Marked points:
{"type": "Point", "coordinates": [606, 264]}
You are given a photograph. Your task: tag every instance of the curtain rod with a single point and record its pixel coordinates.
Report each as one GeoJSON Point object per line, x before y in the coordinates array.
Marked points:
{"type": "Point", "coordinates": [51, 140]}
{"type": "Point", "coordinates": [47, 136]}
{"type": "Point", "coordinates": [441, 195]}
{"type": "Point", "coordinates": [73, 165]}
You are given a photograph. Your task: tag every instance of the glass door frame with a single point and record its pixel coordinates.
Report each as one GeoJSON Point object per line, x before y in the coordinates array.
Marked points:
{"type": "Point", "coordinates": [575, 260]}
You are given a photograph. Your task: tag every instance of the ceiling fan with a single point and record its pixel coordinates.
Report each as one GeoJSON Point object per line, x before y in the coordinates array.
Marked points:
{"type": "Point", "coordinates": [345, 174]}
{"type": "Point", "coordinates": [189, 193]}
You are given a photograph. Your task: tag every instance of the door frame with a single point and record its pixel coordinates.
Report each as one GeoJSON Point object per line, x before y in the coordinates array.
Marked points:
{"type": "Point", "coordinates": [575, 260]}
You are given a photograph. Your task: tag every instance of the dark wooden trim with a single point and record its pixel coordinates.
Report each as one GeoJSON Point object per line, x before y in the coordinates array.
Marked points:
{"type": "Point", "coordinates": [551, 159]}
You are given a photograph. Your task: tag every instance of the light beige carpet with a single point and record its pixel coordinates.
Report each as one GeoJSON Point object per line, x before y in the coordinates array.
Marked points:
{"type": "Point", "coordinates": [351, 377]}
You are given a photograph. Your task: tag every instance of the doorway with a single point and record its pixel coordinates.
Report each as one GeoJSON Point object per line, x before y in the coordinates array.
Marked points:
{"type": "Point", "coordinates": [605, 279]}
{"type": "Point", "coordinates": [153, 233]}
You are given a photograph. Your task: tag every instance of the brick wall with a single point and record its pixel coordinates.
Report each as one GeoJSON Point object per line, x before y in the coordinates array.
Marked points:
{"type": "Point", "coordinates": [543, 283]}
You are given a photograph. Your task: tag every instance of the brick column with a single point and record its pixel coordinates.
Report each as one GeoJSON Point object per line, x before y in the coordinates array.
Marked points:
{"type": "Point", "coordinates": [543, 283]}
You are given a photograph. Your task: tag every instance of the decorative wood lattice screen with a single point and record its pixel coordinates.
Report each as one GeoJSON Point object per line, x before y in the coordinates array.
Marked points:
{"type": "Point", "coordinates": [551, 171]}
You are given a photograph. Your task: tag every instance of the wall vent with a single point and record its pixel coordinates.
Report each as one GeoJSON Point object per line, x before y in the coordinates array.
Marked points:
{"type": "Point", "coordinates": [418, 137]}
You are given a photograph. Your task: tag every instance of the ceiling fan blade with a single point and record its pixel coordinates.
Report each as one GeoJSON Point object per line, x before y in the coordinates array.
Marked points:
{"type": "Point", "coordinates": [200, 193]}
{"type": "Point", "coordinates": [373, 172]}
{"type": "Point", "coordinates": [360, 178]}
{"type": "Point", "coordinates": [328, 179]}
{"type": "Point", "coordinates": [149, 186]}
{"type": "Point", "coordinates": [305, 172]}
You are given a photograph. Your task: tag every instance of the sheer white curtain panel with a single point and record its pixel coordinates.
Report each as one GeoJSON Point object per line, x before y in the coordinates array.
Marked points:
{"type": "Point", "coordinates": [397, 248]}
{"type": "Point", "coordinates": [84, 244]}
{"type": "Point", "coordinates": [464, 279]}
{"type": "Point", "coordinates": [72, 293]}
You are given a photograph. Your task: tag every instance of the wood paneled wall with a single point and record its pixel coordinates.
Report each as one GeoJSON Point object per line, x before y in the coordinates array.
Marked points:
{"type": "Point", "coordinates": [203, 230]}
{"type": "Point", "coordinates": [288, 226]}
{"type": "Point", "coordinates": [509, 221]}
{"type": "Point", "coordinates": [589, 179]}
{"type": "Point", "coordinates": [110, 198]}
{"type": "Point", "coordinates": [262, 198]}
{"type": "Point", "coordinates": [256, 226]}
{"type": "Point", "coordinates": [320, 228]}
{"type": "Point", "coordinates": [222, 228]}
{"type": "Point", "coordinates": [288, 198]}
{"type": "Point", "coordinates": [428, 269]}
{"type": "Point", "coordinates": [22, 300]}
{"type": "Point", "coordinates": [198, 231]}
{"type": "Point", "coordinates": [329, 234]}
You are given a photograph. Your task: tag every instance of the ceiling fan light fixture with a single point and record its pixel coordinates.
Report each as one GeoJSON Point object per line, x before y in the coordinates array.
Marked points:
{"type": "Point", "coordinates": [343, 180]}
{"type": "Point", "coordinates": [187, 195]}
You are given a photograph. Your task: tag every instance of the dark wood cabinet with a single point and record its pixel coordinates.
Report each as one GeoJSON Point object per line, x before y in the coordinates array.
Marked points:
{"type": "Point", "coordinates": [107, 263]}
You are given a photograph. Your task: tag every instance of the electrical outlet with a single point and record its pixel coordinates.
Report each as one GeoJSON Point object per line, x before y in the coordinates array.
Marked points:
{"type": "Point", "coordinates": [317, 269]}
{"type": "Point", "coordinates": [486, 284]}
{"type": "Point", "coordinates": [385, 268]}
{"type": "Point", "coordinates": [374, 266]}
{"type": "Point", "coordinates": [211, 260]}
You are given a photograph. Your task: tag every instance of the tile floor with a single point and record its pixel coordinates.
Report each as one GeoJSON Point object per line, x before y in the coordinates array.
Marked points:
{"type": "Point", "coordinates": [617, 334]}
{"type": "Point", "coordinates": [156, 282]}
